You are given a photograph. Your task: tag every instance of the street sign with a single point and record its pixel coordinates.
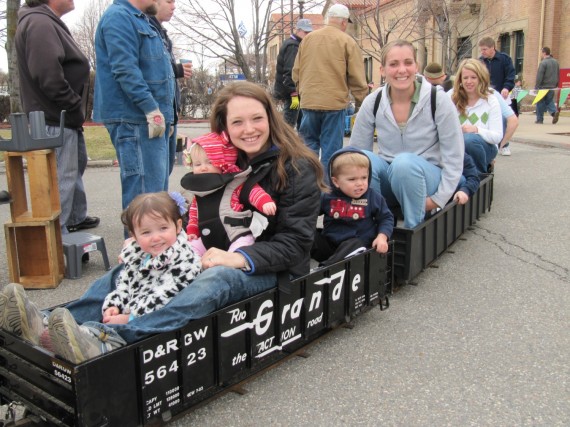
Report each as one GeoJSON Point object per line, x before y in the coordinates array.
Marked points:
{"type": "Point", "coordinates": [224, 77]}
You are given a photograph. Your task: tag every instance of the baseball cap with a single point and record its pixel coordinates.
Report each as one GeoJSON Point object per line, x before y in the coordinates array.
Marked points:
{"type": "Point", "coordinates": [339, 11]}
{"type": "Point", "coordinates": [433, 70]}
{"type": "Point", "coordinates": [305, 25]}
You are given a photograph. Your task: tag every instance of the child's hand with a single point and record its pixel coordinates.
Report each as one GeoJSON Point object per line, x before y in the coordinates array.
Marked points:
{"type": "Point", "coordinates": [269, 208]}
{"type": "Point", "coordinates": [380, 243]}
{"type": "Point", "coordinates": [461, 197]}
{"type": "Point", "coordinates": [192, 237]}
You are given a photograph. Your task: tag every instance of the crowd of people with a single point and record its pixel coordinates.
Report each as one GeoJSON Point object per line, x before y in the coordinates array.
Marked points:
{"type": "Point", "coordinates": [258, 185]}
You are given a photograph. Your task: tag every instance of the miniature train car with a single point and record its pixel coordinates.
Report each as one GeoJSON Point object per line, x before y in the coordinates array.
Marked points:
{"type": "Point", "coordinates": [148, 382]}
{"type": "Point", "coordinates": [170, 373]}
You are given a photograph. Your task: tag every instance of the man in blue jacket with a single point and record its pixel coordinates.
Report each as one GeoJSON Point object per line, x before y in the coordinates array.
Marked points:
{"type": "Point", "coordinates": [502, 74]}
{"type": "Point", "coordinates": [134, 95]}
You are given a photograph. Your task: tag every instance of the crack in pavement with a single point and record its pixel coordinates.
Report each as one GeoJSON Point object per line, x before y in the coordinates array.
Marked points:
{"type": "Point", "coordinates": [521, 253]}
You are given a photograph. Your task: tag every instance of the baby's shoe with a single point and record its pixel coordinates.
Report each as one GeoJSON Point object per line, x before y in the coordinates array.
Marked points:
{"type": "Point", "coordinates": [19, 315]}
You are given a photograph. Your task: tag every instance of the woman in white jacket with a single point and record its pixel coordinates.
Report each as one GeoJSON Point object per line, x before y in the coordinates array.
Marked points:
{"type": "Point", "coordinates": [420, 147]}
{"type": "Point", "coordinates": [479, 112]}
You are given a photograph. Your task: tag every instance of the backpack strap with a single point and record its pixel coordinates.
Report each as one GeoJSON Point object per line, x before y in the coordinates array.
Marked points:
{"type": "Point", "coordinates": [433, 102]}
{"type": "Point", "coordinates": [377, 102]}
{"type": "Point", "coordinates": [253, 179]}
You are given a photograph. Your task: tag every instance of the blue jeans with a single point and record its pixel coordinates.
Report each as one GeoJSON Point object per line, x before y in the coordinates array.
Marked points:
{"type": "Point", "coordinates": [324, 131]}
{"type": "Point", "coordinates": [144, 162]}
{"type": "Point", "coordinates": [213, 289]}
{"type": "Point", "coordinates": [407, 181]}
{"type": "Point", "coordinates": [545, 104]}
{"type": "Point", "coordinates": [481, 151]}
{"type": "Point", "coordinates": [172, 149]}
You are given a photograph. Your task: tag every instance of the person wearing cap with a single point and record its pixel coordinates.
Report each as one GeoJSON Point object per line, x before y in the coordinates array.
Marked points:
{"type": "Point", "coordinates": [435, 75]}
{"type": "Point", "coordinates": [328, 68]}
{"type": "Point", "coordinates": [285, 89]}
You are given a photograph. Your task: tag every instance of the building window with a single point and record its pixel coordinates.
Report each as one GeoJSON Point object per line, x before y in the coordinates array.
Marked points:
{"type": "Point", "coordinates": [505, 41]}
{"type": "Point", "coordinates": [464, 48]}
{"type": "Point", "coordinates": [519, 51]}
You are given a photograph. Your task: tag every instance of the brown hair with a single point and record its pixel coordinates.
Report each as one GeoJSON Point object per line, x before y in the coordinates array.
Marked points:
{"type": "Point", "coordinates": [156, 204]}
{"type": "Point", "coordinates": [487, 42]}
{"type": "Point", "coordinates": [350, 158]}
{"type": "Point", "coordinates": [291, 148]}
{"type": "Point", "coordinates": [396, 43]}
{"type": "Point", "coordinates": [459, 96]}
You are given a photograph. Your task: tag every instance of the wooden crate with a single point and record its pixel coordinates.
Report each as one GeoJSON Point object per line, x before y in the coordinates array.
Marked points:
{"type": "Point", "coordinates": [43, 191]}
{"type": "Point", "coordinates": [35, 254]}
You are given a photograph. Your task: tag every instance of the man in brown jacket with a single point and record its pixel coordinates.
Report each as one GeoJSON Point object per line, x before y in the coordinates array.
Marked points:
{"type": "Point", "coordinates": [328, 67]}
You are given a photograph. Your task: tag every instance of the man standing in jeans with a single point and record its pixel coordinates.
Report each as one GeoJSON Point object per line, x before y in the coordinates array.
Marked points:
{"type": "Point", "coordinates": [329, 66]}
{"type": "Point", "coordinates": [54, 76]}
{"type": "Point", "coordinates": [547, 78]}
{"type": "Point", "coordinates": [134, 95]}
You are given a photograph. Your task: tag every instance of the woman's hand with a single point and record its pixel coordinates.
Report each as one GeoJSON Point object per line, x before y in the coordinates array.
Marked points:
{"type": "Point", "coordinates": [112, 315]}
{"type": "Point", "coordinates": [461, 197]}
{"type": "Point", "coordinates": [469, 128]}
{"type": "Point", "coordinates": [214, 257]}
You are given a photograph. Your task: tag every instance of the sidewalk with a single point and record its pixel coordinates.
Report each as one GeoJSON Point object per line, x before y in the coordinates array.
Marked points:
{"type": "Point", "coordinates": [547, 134]}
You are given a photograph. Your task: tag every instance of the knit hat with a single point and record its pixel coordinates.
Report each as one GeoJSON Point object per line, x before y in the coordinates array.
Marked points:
{"type": "Point", "coordinates": [220, 151]}
{"type": "Point", "coordinates": [433, 70]}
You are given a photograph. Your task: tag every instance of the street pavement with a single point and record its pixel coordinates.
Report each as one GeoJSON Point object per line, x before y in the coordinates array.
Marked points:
{"type": "Point", "coordinates": [481, 340]}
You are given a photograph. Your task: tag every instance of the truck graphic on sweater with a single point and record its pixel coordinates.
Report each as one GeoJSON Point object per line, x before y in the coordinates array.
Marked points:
{"type": "Point", "coordinates": [344, 209]}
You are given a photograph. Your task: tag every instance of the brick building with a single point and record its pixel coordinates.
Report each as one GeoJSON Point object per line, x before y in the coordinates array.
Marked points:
{"type": "Point", "coordinates": [446, 31]}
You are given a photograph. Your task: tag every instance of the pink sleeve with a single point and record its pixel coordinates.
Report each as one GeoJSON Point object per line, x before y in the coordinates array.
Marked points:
{"type": "Point", "coordinates": [192, 227]}
{"type": "Point", "coordinates": [259, 198]}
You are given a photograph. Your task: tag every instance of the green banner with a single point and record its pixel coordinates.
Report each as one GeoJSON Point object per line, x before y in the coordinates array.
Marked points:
{"type": "Point", "coordinates": [563, 95]}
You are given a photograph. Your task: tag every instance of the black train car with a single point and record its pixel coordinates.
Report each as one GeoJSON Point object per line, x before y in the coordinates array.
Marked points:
{"type": "Point", "coordinates": [148, 382]}
{"type": "Point", "coordinates": [170, 373]}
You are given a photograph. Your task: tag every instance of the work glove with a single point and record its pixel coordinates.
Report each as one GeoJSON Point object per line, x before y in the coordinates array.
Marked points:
{"type": "Point", "coordinates": [156, 124]}
{"type": "Point", "coordinates": [294, 103]}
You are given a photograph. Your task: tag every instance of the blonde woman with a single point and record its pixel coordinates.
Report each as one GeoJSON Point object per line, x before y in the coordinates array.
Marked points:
{"type": "Point", "coordinates": [479, 112]}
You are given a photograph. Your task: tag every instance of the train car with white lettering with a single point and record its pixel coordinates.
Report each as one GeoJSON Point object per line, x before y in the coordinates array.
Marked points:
{"type": "Point", "coordinates": [170, 373]}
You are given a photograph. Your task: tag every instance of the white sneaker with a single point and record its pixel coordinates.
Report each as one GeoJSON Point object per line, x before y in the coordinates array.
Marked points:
{"type": "Point", "coordinates": [505, 151]}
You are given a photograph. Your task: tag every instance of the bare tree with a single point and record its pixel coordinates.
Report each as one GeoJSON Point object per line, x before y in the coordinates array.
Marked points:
{"type": "Point", "coordinates": [12, 7]}
{"type": "Point", "coordinates": [84, 31]}
{"type": "Point", "coordinates": [214, 25]}
{"type": "Point", "coordinates": [420, 21]}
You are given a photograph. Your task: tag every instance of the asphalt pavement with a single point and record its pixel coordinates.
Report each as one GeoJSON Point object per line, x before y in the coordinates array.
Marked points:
{"type": "Point", "coordinates": [483, 339]}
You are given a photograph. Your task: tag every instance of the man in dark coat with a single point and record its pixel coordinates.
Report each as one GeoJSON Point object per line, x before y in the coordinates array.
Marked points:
{"type": "Point", "coordinates": [285, 89]}
{"type": "Point", "coordinates": [54, 76]}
